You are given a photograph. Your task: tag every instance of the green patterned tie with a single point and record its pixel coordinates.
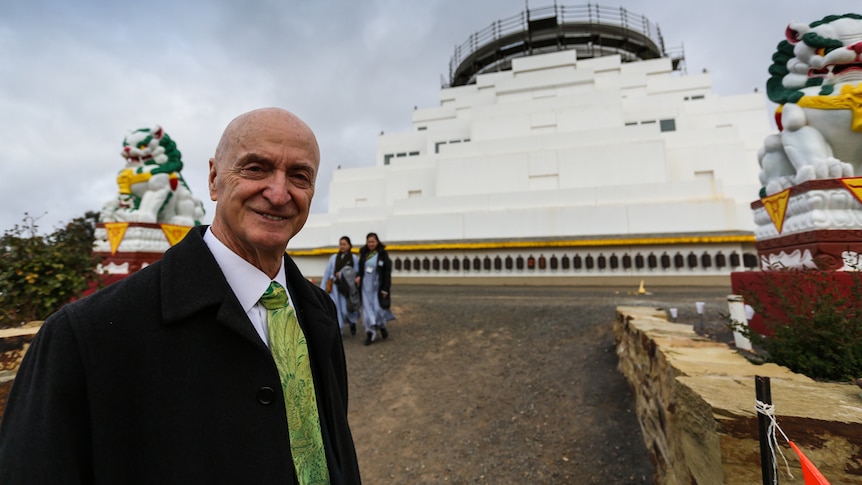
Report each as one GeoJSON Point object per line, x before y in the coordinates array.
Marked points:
{"type": "Point", "coordinates": [289, 349]}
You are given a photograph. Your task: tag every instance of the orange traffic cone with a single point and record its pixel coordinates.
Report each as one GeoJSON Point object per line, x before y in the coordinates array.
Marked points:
{"type": "Point", "coordinates": [810, 473]}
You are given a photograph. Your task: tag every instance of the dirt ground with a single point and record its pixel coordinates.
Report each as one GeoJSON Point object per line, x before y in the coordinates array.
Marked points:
{"type": "Point", "coordinates": [498, 385]}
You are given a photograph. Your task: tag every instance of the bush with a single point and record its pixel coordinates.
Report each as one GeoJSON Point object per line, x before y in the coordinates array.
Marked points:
{"type": "Point", "coordinates": [41, 273]}
{"type": "Point", "coordinates": [812, 320]}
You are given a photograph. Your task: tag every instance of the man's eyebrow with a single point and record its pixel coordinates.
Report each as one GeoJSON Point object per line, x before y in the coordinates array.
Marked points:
{"type": "Point", "coordinates": [254, 158]}
{"type": "Point", "coordinates": [305, 165]}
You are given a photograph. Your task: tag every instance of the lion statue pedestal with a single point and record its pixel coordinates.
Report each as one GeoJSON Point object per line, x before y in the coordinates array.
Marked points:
{"type": "Point", "coordinates": [817, 224]}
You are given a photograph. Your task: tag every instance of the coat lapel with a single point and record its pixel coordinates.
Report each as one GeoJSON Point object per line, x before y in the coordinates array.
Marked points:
{"type": "Point", "coordinates": [191, 281]}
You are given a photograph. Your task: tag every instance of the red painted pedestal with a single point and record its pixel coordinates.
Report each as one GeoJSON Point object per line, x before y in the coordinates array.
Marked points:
{"type": "Point", "coordinates": [125, 248]}
{"type": "Point", "coordinates": [777, 293]}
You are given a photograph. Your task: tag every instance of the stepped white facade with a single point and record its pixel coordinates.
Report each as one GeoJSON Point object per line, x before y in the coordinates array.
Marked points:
{"type": "Point", "coordinates": [594, 168]}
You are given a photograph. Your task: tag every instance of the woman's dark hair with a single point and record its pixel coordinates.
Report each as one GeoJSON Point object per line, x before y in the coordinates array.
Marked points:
{"type": "Point", "coordinates": [345, 238]}
{"type": "Point", "coordinates": [374, 235]}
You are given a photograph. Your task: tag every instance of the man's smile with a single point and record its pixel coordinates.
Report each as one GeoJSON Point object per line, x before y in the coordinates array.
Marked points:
{"type": "Point", "coordinates": [271, 217]}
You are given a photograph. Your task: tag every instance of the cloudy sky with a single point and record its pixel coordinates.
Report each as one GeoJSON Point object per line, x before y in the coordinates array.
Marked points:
{"type": "Point", "coordinates": [76, 75]}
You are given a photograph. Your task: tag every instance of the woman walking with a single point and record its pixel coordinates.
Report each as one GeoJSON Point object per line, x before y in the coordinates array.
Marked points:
{"type": "Point", "coordinates": [339, 281]}
{"type": "Point", "coordinates": [375, 278]}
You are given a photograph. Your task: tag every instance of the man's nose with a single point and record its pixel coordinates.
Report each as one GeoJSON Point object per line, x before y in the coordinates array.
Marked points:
{"type": "Point", "coordinates": [277, 191]}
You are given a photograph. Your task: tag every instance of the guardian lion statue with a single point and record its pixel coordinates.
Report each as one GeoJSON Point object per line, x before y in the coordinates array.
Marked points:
{"type": "Point", "coordinates": [151, 188]}
{"type": "Point", "coordinates": [817, 82]}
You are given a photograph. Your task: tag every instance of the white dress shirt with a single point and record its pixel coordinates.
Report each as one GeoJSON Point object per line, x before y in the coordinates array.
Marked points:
{"type": "Point", "coordinates": [246, 281]}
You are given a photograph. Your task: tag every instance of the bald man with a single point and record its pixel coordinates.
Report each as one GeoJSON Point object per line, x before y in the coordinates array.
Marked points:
{"type": "Point", "coordinates": [168, 376]}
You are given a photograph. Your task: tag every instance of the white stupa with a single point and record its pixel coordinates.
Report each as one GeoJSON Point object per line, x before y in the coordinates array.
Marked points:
{"type": "Point", "coordinates": [566, 150]}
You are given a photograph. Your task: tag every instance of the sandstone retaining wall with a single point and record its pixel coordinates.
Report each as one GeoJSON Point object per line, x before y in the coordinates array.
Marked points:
{"type": "Point", "coordinates": [695, 400]}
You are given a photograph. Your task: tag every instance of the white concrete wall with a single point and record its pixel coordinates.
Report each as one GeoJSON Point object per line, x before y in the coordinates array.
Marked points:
{"type": "Point", "coordinates": [558, 147]}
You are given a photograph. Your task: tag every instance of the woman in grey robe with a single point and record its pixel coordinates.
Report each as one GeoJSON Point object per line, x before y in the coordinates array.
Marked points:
{"type": "Point", "coordinates": [341, 264]}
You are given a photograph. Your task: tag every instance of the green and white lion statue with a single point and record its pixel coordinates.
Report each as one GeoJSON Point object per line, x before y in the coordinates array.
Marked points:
{"type": "Point", "coordinates": [151, 188]}
{"type": "Point", "coordinates": [817, 82]}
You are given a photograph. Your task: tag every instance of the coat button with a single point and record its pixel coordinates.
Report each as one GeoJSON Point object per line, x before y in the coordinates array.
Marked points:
{"type": "Point", "coordinates": [265, 395]}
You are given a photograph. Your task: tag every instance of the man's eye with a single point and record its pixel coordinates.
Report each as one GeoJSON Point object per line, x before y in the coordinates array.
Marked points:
{"type": "Point", "coordinates": [302, 179]}
{"type": "Point", "coordinates": [252, 171]}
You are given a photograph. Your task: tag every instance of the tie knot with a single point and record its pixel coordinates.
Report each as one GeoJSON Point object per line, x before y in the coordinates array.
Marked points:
{"type": "Point", "coordinates": [274, 297]}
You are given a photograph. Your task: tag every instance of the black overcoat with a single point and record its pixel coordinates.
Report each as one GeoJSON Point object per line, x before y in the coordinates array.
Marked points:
{"type": "Point", "coordinates": [161, 378]}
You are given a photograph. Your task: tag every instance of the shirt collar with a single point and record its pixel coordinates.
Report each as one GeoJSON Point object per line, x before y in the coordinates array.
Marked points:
{"type": "Point", "coordinates": [247, 281]}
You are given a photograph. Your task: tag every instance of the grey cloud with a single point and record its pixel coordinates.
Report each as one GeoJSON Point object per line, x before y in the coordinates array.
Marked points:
{"type": "Point", "coordinates": [75, 76]}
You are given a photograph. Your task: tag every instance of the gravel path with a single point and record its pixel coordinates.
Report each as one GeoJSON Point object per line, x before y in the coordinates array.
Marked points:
{"type": "Point", "coordinates": [498, 385]}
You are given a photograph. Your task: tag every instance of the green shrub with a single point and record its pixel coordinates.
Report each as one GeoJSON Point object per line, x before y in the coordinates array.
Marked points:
{"type": "Point", "coordinates": [813, 321]}
{"type": "Point", "coordinates": [41, 273]}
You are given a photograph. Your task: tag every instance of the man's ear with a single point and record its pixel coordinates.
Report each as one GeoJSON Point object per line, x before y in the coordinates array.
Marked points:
{"type": "Point", "coordinates": [212, 179]}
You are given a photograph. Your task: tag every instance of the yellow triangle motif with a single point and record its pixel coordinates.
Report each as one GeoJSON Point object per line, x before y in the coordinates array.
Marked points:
{"type": "Point", "coordinates": [854, 185]}
{"type": "Point", "coordinates": [116, 231]}
{"type": "Point", "coordinates": [175, 234]}
{"type": "Point", "coordinates": [776, 207]}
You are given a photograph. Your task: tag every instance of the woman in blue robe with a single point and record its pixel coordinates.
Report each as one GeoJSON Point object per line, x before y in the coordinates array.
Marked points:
{"type": "Point", "coordinates": [375, 279]}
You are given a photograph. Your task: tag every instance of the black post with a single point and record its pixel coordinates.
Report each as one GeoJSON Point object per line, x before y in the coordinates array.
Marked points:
{"type": "Point", "coordinates": [764, 395]}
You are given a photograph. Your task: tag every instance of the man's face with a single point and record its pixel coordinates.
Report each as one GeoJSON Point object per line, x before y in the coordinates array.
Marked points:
{"type": "Point", "coordinates": [263, 183]}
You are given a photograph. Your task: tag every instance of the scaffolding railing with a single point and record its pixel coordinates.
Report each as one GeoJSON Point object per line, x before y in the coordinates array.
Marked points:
{"type": "Point", "coordinates": [557, 15]}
